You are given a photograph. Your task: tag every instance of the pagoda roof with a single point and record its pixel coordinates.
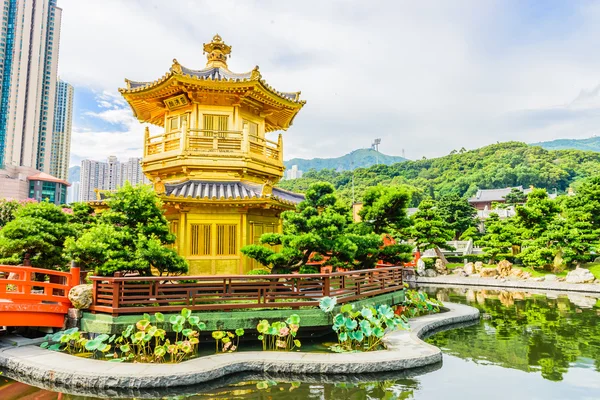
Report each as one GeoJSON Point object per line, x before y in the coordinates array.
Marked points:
{"type": "Point", "coordinates": [147, 99]}
{"type": "Point", "coordinates": [224, 191]}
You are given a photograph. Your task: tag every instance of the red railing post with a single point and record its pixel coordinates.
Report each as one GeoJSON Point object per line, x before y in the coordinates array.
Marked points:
{"type": "Point", "coordinates": [94, 293]}
{"type": "Point", "coordinates": [326, 285]}
{"type": "Point", "coordinates": [116, 289]}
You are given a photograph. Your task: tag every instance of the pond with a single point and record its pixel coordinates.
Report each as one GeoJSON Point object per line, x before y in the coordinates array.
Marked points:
{"type": "Point", "coordinates": [526, 346]}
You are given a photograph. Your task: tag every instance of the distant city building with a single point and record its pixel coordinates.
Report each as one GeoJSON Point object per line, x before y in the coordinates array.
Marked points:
{"type": "Point", "coordinates": [293, 173]}
{"type": "Point", "coordinates": [29, 44]}
{"type": "Point", "coordinates": [92, 176]}
{"type": "Point", "coordinates": [21, 183]}
{"type": "Point", "coordinates": [44, 187]}
{"type": "Point", "coordinates": [109, 175]}
{"type": "Point", "coordinates": [61, 135]}
{"type": "Point", "coordinates": [73, 192]}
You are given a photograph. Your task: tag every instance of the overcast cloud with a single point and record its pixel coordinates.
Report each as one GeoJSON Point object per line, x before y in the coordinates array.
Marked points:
{"type": "Point", "coordinates": [427, 77]}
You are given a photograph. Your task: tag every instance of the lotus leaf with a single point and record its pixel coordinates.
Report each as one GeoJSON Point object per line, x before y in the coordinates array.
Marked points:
{"type": "Point", "coordinates": [159, 317]}
{"type": "Point", "coordinates": [186, 313]}
{"type": "Point", "coordinates": [327, 304]}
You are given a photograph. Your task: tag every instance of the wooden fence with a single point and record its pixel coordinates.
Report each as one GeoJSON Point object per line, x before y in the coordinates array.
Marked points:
{"type": "Point", "coordinates": [133, 295]}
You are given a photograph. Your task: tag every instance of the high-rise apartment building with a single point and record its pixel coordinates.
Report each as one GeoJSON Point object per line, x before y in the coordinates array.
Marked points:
{"type": "Point", "coordinates": [73, 193]}
{"type": "Point", "coordinates": [30, 39]}
{"type": "Point", "coordinates": [293, 173]}
{"type": "Point", "coordinates": [61, 135]}
{"type": "Point", "coordinates": [109, 175]}
{"type": "Point", "coordinates": [92, 176]}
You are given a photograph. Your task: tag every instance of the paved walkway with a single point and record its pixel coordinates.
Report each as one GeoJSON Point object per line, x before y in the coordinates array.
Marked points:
{"type": "Point", "coordinates": [56, 370]}
{"type": "Point", "coordinates": [513, 284]}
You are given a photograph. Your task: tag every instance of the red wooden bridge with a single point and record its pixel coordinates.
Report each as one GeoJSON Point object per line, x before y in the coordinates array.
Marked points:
{"type": "Point", "coordinates": [25, 301]}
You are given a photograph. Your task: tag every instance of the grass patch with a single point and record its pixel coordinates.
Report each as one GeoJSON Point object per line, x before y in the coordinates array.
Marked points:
{"type": "Point", "coordinates": [594, 269]}
{"type": "Point", "coordinates": [536, 273]}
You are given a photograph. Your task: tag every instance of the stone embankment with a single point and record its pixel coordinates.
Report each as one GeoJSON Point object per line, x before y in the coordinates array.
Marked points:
{"type": "Point", "coordinates": [405, 350]}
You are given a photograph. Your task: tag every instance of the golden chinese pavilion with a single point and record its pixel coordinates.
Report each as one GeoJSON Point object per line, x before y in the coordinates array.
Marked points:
{"type": "Point", "coordinates": [213, 165]}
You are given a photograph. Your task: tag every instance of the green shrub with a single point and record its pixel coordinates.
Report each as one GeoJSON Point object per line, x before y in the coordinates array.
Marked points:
{"type": "Point", "coordinates": [258, 271]}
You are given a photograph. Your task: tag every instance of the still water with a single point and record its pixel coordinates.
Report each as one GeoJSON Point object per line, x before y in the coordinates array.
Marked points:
{"type": "Point", "coordinates": [526, 346]}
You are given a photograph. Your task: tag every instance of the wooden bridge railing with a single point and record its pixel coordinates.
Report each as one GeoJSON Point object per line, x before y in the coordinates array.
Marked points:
{"type": "Point", "coordinates": [128, 295]}
{"type": "Point", "coordinates": [25, 301]}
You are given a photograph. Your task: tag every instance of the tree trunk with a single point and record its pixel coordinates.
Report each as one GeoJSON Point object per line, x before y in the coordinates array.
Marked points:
{"type": "Point", "coordinates": [441, 255]}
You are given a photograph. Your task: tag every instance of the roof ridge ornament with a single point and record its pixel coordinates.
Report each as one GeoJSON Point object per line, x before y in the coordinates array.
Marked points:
{"type": "Point", "coordinates": [216, 52]}
{"type": "Point", "coordinates": [176, 67]}
{"type": "Point", "coordinates": [255, 74]}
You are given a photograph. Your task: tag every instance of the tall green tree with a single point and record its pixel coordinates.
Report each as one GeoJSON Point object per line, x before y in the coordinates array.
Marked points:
{"type": "Point", "coordinates": [39, 230]}
{"type": "Point", "coordinates": [429, 231]}
{"type": "Point", "coordinates": [499, 237]}
{"type": "Point", "coordinates": [130, 236]}
{"type": "Point", "coordinates": [516, 196]}
{"type": "Point", "coordinates": [457, 213]}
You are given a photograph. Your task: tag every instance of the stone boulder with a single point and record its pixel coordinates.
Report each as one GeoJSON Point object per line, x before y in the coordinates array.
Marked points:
{"type": "Point", "coordinates": [440, 267]}
{"type": "Point", "coordinates": [488, 272]}
{"type": "Point", "coordinates": [459, 272]}
{"type": "Point", "coordinates": [430, 273]}
{"type": "Point", "coordinates": [478, 266]}
{"type": "Point", "coordinates": [81, 296]}
{"type": "Point", "coordinates": [470, 269]}
{"type": "Point", "coordinates": [504, 268]}
{"type": "Point", "coordinates": [517, 273]}
{"type": "Point", "coordinates": [550, 278]}
{"type": "Point", "coordinates": [580, 275]}
{"type": "Point", "coordinates": [420, 266]}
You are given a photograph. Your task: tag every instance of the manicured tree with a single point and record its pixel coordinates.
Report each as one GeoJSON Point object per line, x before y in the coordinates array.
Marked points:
{"type": "Point", "coordinates": [499, 236]}
{"type": "Point", "coordinates": [429, 231]}
{"type": "Point", "coordinates": [40, 230]}
{"type": "Point", "coordinates": [315, 231]}
{"type": "Point", "coordinates": [384, 212]}
{"type": "Point", "coordinates": [535, 215]}
{"type": "Point", "coordinates": [458, 214]}
{"type": "Point", "coordinates": [130, 236]}
{"type": "Point", "coordinates": [516, 196]}
{"type": "Point", "coordinates": [8, 208]}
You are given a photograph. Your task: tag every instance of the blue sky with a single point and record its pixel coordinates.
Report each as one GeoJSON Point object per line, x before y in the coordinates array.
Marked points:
{"type": "Point", "coordinates": [427, 77]}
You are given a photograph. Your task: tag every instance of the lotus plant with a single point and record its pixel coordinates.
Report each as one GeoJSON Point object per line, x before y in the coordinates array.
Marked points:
{"type": "Point", "coordinates": [361, 330]}
{"type": "Point", "coordinates": [227, 342]}
{"type": "Point", "coordinates": [279, 335]}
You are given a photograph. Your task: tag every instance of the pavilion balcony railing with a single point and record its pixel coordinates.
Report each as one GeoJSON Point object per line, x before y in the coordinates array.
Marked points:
{"type": "Point", "coordinates": [200, 141]}
{"type": "Point", "coordinates": [135, 294]}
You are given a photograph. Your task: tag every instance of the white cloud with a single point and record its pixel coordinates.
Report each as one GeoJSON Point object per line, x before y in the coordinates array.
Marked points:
{"type": "Point", "coordinates": [427, 77]}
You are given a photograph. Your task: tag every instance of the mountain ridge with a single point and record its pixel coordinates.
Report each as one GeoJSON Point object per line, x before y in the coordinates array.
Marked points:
{"type": "Point", "coordinates": [589, 144]}
{"type": "Point", "coordinates": [360, 158]}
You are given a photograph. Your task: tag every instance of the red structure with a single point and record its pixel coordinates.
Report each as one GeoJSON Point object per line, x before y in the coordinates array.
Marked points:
{"type": "Point", "coordinates": [27, 302]}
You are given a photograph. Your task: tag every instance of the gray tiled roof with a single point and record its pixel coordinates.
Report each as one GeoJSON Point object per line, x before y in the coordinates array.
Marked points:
{"type": "Point", "coordinates": [228, 191]}
{"type": "Point", "coordinates": [485, 195]}
{"type": "Point", "coordinates": [216, 73]}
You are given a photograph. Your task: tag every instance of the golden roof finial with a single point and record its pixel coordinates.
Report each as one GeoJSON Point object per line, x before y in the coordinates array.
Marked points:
{"type": "Point", "coordinates": [216, 52]}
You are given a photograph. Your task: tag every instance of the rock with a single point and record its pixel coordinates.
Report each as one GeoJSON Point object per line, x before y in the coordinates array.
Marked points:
{"type": "Point", "coordinates": [516, 272]}
{"type": "Point", "coordinates": [440, 267]}
{"type": "Point", "coordinates": [470, 269]}
{"type": "Point", "coordinates": [550, 278]}
{"type": "Point", "coordinates": [478, 266]}
{"type": "Point", "coordinates": [459, 272]}
{"type": "Point", "coordinates": [430, 273]}
{"type": "Point", "coordinates": [581, 300]}
{"type": "Point", "coordinates": [470, 296]}
{"type": "Point", "coordinates": [81, 296]}
{"type": "Point", "coordinates": [420, 267]}
{"type": "Point", "coordinates": [538, 279]}
{"type": "Point", "coordinates": [525, 275]}
{"type": "Point", "coordinates": [488, 272]}
{"type": "Point", "coordinates": [504, 268]}
{"type": "Point", "coordinates": [580, 275]}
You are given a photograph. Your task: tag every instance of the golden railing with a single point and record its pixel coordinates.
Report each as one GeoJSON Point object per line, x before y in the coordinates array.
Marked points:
{"type": "Point", "coordinates": [198, 141]}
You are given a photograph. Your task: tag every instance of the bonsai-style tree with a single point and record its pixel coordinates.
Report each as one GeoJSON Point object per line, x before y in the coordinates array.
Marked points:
{"type": "Point", "coordinates": [515, 196]}
{"type": "Point", "coordinates": [40, 230]}
{"type": "Point", "coordinates": [499, 236]}
{"type": "Point", "coordinates": [457, 213]}
{"type": "Point", "coordinates": [130, 236]}
{"type": "Point", "coordinates": [429, 231]}
{"type": "Point", "coordinates": [315, 231]}
{"type": "Point", "coordinates": [384, 213]}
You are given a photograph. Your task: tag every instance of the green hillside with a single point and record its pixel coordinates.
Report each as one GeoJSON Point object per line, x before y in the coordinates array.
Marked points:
{"type": "Point", "coordinates": [361, 158]}
{"type": "Point", "coordinates": [591, 144]}
{"type": "Point", "coordinates": [495, 166]}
